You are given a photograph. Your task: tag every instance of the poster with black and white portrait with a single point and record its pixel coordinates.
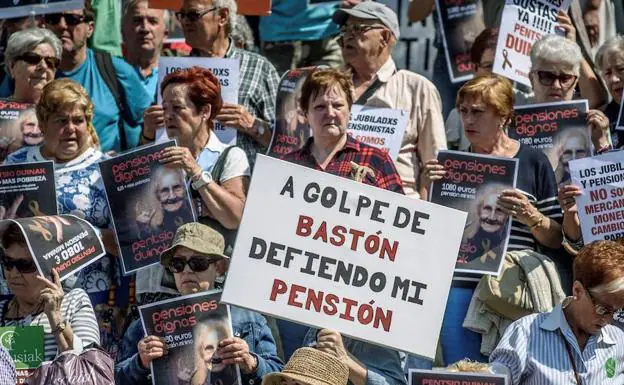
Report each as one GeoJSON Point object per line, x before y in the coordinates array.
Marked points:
{"type": "Point", "coordinates": [27, 190]}
{"type": "Point", "coordinates": [148, 202]}
{"type": "Point", "coordinates": [473, 183]}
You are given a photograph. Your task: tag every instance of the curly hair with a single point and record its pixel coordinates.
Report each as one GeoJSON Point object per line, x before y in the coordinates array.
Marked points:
{"type": "Point", "coordinates": [599, 266]}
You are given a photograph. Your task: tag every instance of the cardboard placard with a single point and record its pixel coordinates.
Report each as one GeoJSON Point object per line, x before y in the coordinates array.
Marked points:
{"type": "Point", "coordinates": [601, 207]}
{"type": "Point", "coordinates": [559, 129]}
{"type": "Point", "coordinates": [522, 26]}
{"type": "Point", "coordinates": [25, 345]}
{"type": "Point", "coordinates": [192, 327]}
{"type": "Point", "coordinates": [228, 73]}
{"type": "Point", "coordinates": [20, 8]}
{"type": "Point", "coordinates": [441, 377]}
{"type": "Point", "coordinates": [462, 22]}
{"type": "Point", "coordinates": [378, 127]}
{"type": "Point", "coordinates": [473, 184]}
{"type": "Point", "coordinates": [27, 190]}
{"type": "Point", "coordinates": [148, 202]}
{"type": "Point", "coordinates": [370, 263]}
{"type": "Point", "coordinates": [65, 243]}
{"type": "Point", "coordinates": [18, 127]}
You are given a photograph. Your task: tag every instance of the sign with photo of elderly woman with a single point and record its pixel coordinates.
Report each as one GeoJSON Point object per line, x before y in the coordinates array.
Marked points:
{"type": "Point", "coordinates": [291, 130]}
{"type": "Point", "coordinates": [64, 243]}
{"type": "Point", "coordinates": [226, 70]}
{"type": "Point", "coordinates": [446, 377]}
{"type": "Point", "coordinates": [20, 8]}
{"type": "Point", "coordinates": [148, 202]}
{"type": "Point", "coordinates": [523, 23]}
{"type": "Point", "coordinates": [25, 190]}
{"type": "Point", "coordinates": [559, 129]}
{"type": "Point", "coordinates": [192, 327]}
{"type": "Point", "coordinates": [18, 127]}
{"type": "Point", "coordinates": [462, 22]}
{"type": "Point", "coordinates": [473, 183]}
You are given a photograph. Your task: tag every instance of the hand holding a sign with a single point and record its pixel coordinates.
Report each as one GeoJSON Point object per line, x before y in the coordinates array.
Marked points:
{"type": "Point", "coordinates": [153, 118]}
{"type": "Point", "coordinates": [237, 116]}
{"type": "Point", "coordinates": [434, 171]}
{"type": "Point", "coordinates": [515, 203]}
{"type": "Point", "coordinates": [51, 295]}
{"type": "Point", "coordinates": [11, 212]}
{"type": "Point", "coordinates": [567, 198]}
{"type": "Point", "coordinates": [235, 351]}
{"type": "Point", "coordinates": [180, 157]}
{"type": "Point", "coordinates": [599, 125]}
{"type": "Point", "coordinates": [565, 24]}
{"type": "Point", "coordinates": [330, 341]}
{"type": "Point", "coordinates": [151, 348]}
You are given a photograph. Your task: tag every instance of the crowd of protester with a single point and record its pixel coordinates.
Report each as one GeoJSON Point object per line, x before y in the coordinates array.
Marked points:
{"type": "Point", "coordinates": [92, 103]}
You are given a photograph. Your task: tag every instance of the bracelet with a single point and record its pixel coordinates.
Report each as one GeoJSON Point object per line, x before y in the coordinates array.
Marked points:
{"type": "Point", "coordinates": [60, 327]}
{"type": "Point", "coordinates": [603, 149]}
{"type": "Point", "coordinates": [147, 138]}
{"type": "Point", "coordinates": [539, 222]}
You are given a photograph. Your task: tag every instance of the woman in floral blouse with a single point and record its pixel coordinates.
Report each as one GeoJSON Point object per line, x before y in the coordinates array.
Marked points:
{"type": "Point", "coordinates": [65, 113]}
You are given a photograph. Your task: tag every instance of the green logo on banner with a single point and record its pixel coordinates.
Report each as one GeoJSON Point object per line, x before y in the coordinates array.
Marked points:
{"type": "Point", "coordinates": [24, 344]}
{"type": "Point", "coordinates": [610, 367]}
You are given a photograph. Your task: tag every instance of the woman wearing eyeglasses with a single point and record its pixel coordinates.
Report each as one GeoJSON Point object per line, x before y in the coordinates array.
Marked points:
{"type": "Point", "coordinates": [68, 319]}
{"type": "Point", "coordinates": [575, 343]}
{"type": "Point", "coordinates": [485, 106]}
{"type": "Point", "coordinates": [196, 258]}
{"type": "Point", "coordinates": [31, 58]}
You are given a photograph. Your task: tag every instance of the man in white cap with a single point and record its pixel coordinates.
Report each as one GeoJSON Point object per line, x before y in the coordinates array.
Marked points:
{"type": "Point", "coordinates": [369, 31]}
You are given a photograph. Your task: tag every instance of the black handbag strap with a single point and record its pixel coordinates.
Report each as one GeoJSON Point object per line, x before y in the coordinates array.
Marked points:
{"type": "Point", "coordinates": [369, 92]}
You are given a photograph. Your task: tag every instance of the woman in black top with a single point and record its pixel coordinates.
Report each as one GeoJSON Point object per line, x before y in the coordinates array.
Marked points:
{"type": "Point", "coordinates": [610, 60]}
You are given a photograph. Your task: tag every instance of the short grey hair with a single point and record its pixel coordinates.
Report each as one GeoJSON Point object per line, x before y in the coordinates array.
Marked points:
{"type": "Point", "coordinates": [131, 4]}
{"type": "Point", "coordinates": [613, 46]}
{"type": "Point", "coordinates": [232, 7]}
{"type": "Point", "coordinates": [557, 49]}
{"type": "Point", "coordinates": [242, 33]}
{"type": "Point", "coordinates": [27, 40]}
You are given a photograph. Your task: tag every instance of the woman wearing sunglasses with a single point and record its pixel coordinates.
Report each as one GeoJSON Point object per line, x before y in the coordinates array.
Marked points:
{"type": "Point", "coordinates": [575, 343]}
{"type": "Point", "coordinates": [68, 319]}
{"type": "Point", "coordinates": [32, 57]}
{"type": "Point", "coordinates": [196, 258]}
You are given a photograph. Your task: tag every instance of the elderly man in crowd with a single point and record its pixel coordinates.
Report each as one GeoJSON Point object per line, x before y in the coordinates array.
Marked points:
{"type": "Point", "coordinates": [207, 26]}
{"type": "Point", "coordinates": [117, 120]}
{"type": "Point", "coordinates": [369, 31]}
{"type": "Point", "coordinates": [144, 31]}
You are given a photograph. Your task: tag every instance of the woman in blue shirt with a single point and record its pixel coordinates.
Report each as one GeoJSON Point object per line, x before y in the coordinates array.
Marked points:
{"type": "Point", "coordinates": [575, 342]}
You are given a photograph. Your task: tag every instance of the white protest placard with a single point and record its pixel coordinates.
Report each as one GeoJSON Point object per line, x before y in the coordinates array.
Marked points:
{"type": "Point", "coordinates": [523, 23]}
{"type": "Point", "coordinates": [228, 73]}
{"type": "Point", "coordinates": [21, 8]}
{"type": "Point", "coordinates": [601, 207]}
{"type": "Point", "coordinates": [379, 127]}
{"type": "Point", "coordinates": [329, 252]}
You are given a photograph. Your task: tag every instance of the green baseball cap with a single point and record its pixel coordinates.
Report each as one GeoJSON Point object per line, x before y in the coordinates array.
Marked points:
{"type": "Point", "coordinates": [197, 237]}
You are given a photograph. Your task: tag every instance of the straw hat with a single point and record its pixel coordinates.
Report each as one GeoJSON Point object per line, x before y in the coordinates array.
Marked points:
{"type": "Point", "coordinates": [309, 366]}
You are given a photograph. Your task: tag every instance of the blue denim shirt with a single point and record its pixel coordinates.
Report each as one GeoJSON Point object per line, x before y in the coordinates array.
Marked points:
{"type": "Point", "coordinates": [383, 364]}
{"type": "Point", "coordinates": [250, 326]}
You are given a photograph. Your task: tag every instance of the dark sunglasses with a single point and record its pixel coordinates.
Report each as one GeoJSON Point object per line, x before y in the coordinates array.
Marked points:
{"type": "Point", "coordinates": [71, 19]}
{"type": "Point", "coordinates": [194, 15]}
{"type": "Point", "coordinates": [196, 264]}
{"type": "Point", "coordinates": [548, 78]}
{"type": "Point", "coordinates": [34, 59]}
{"type": "Point", "coordinates": [22, 265]}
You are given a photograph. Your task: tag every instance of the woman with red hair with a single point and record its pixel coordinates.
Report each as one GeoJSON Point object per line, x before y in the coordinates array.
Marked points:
{"type": "Point", "coordinates": [219, 175]}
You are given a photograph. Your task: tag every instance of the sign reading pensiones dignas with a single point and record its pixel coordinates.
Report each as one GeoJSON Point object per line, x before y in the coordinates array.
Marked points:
{"type": "Point", "coordinates": [441, 377]}
{"type": "Point", "coordinates": [601, 206]}
{"type": "Point", "coordinates": [367, 262]}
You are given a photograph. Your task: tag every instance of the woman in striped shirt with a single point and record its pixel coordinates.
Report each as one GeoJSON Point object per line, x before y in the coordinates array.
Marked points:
{"type": "Point", "coordinates": [575, 343]}
{"type": "Point", "coordinates": [485, 105]}
{"type": "Point", "coordinates": [68, 320]}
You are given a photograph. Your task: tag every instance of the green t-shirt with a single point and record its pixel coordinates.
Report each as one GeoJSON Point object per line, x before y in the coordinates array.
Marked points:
{"type": "Point", "coordinates": [107, 32]}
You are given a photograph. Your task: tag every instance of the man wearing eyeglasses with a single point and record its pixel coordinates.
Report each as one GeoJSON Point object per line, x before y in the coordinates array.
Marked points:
{"type": "Point", "coordinates": [369, 31]}
{"type": "Point", "coordinates": [196, 258]}
{"type": "Point", "coordinates": [207, 26]}
{"type": "Point", "coordinates": [144, 31]}
{"type": "Point", "coordinates": [115, 130]}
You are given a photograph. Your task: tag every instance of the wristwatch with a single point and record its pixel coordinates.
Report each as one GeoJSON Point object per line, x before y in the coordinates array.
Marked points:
{"type": "Point", "coordinates": [203, 179]}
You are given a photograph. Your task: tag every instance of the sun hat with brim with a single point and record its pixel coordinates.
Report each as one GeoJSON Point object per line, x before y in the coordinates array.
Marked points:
{"type": "Point", "coordinates": [310, 366]}
{"type": "Point", "coordinates": [197, 237]}
{"type": "Point", "coordinates": [370, 10]}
